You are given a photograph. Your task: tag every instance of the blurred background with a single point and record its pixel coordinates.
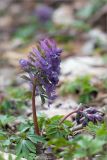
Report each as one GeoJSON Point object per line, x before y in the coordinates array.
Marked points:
{"type": "Point", "coordinates": [79, 28]}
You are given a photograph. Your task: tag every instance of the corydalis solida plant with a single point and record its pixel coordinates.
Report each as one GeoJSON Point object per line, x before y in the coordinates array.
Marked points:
{"type": "Point", "coordinates": [43, 69]}
{"type": "Point", "coordinates": [86, 115]}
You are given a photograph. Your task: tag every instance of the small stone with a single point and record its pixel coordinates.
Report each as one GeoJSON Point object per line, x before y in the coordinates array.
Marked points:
{"type": "Point", "coordinates": [63, 15]}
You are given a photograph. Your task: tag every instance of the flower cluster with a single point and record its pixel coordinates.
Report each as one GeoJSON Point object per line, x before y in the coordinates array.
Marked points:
{"type": "Point", "coordinates": [89, 115]}
{"type": "Point", "coordinates": [43, 68]}
{"type": "Point", "coordinates": [44, 13]}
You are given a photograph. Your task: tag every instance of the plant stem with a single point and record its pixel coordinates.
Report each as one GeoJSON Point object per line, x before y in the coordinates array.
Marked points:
{"type": "Point", "coordinates": [36, 127]}
{"type": "Point", "coordinates": [68, 116]}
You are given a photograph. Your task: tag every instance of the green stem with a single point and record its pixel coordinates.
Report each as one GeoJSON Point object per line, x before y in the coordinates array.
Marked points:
{"type": "Point", "coordinates": [36, 127]}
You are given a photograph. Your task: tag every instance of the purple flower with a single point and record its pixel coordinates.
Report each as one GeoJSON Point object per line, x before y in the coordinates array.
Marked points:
{"type": "Point", "coordinates": [24, 64]}
{"type": "Point", "coordinates": [91, 110]}
{"type": "Point", "coordinates": [91, 117]}
{"type": "Point", "coordinates": [98, 117]}
{"type": "Point", "coordinates": [95, 117]}
{"type": "Point", "coordinates": [43, 68]}
{"type": "Point", "coordinates": [44, 13]}
{"type": "Point", "coordinates": [89, 114]}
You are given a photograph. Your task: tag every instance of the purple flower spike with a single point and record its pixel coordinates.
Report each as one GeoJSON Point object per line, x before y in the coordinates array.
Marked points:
{"type": "Point", "coordinates": [43, 68]}
{"type": "Point", "coordinates": [87, 115]}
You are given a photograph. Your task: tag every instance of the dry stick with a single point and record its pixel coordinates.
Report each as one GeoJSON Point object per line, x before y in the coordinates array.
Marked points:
{"type": "Point", "coordinates": [68, 116]}
{"type": "Point", "coordinates": [36, 127]}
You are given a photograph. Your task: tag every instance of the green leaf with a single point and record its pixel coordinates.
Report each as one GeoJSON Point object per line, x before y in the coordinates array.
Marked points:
{"type": "Point", "coordinates": [42, 98]}
{"type": "Point", "coordinates": [4, 119]}
{"type": "Point", "coordinates": [25, 150]}
{"type": "Point", "coordinates": [25, 128]}
{"type": "Point", "coordinates": [14, 138]}
{"type": "Point", "coordinates": [10, 157]}
{"type": "Point", "coordinates": [30, 145]}
{"type": "Point", "coordinates": [84, 141]}
{"type": "Point", "coordinates": [6, 142]}
{"type": "Point", "coordinates": [68, 123]}
{"type": "Point", "coordinates": [80, 153]}
{"type": "Point", "coordinates": [1, 157]}
{"type": "Point", "coordinates": [86, 12]}
{"type": "Point", "coordinates": [3, 135]}
{"type": "Point", "coordinates": [56, 118]}
{"type": "Point", "coordinates": [25, 32]}
{"type": "Point", "coordinates": [32, 156]}
{"type": "Point", "coordinates": [26, 78]}
{"type": "Point", "coordinates": [58, 142]}
{"type": "Point", "coordinates": [96, 146]}
{"type": "Point", "coordinates": [19, 148]}
{"type": "Point", "coordinates": [35, 138]}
